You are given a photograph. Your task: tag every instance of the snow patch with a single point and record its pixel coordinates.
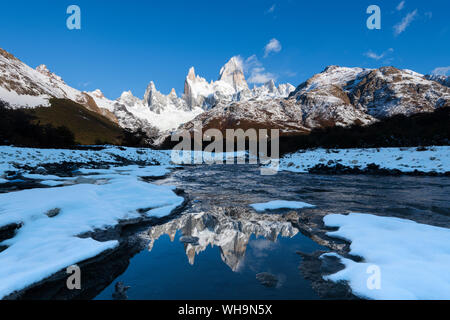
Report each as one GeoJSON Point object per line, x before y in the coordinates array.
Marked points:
{"type": "Point", "coordinates": [413, 258]}
{"type": "Point", "coordinates": [404, 159]}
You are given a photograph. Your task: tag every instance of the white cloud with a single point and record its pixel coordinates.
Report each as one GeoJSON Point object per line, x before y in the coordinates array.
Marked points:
{"type": "Point", "coordinates": [259, 75]}
{"type": "Point", "coordinates": [401, 26]}
{"type": "Point", "coordinates": [273, 46]}
{"type": "Point", "coordinates": [250, 63]}
{"type": "Point", "coordinates": [271, 9]}
{"type": "Point", "coordinates": [400, 6]}
{"type": "Point", "coordinates": [441, 71]}
{"type": "Point", "coordinates": [256, 71]}
{"type": "Point", "coordinates": [376, 56]}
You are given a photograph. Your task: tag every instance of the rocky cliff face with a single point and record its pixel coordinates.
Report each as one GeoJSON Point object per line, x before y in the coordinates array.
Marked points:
{"type": "Point", "coordinates": [233, 74]}
{"type": "Point", "coordinates": [231, 87]}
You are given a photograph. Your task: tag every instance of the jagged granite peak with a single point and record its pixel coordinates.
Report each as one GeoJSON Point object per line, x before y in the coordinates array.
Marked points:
{"type": "Point", "coordinates": [158, 102]}
{"type": "Point", "coordinates": [230, 87]}
{"type": "Point", "coordinates": [233, 73]}
{"type": "Point", "coordinates": [270, 91]}
{"type": "Point", "coordinates": [149, 94]}
{"type": "Point", "coordinates": [191, 74]}
{"type": "Point", "coordinates": [270, 85]}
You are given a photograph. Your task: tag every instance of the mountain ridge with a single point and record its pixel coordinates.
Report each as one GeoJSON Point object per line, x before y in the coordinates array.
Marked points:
{"type": "Point", "coordinates": [338, 96]}
{"type": "Point", "coordinates": [21, 86]}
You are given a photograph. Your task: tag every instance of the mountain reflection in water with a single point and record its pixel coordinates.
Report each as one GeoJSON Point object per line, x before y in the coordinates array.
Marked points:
{"type": "Point", "coordinates": [229, 229]}
{"type": "Point", "coordinates": [228, 245]}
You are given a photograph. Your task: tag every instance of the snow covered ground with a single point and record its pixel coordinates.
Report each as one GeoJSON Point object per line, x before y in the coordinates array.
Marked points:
{"type": "Point", "coordinates": [412, 260]}
{"type": "Point", "coordinates": [52, 219]}
{"type": "Point", "coordinates": [404, 159]}
{"type": "Point", "coordinates": [33, 157]}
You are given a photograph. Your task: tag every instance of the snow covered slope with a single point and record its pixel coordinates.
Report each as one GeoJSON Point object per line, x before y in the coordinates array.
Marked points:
{"type": "Point", "coordinates": [24, 87]}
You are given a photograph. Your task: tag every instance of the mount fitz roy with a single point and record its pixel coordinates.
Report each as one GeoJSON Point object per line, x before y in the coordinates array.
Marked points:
{"type": "Point", "coordinates": [338, 96]}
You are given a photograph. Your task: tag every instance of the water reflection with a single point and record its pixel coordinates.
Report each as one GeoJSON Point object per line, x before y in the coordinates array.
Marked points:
{"type": "Point", "coordinates": [229, 229]}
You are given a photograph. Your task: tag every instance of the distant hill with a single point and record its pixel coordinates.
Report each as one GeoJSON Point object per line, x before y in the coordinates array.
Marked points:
{"type": "Point", "coordinates": [88, 127]}
{"type": "Point", "coordinates": [63, 124]}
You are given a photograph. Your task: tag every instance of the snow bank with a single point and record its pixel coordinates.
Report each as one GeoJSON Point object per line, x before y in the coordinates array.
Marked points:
{"type": "Point", "coordinates": [44, 245]}
{"type": "Point", "coordinates": [280, 204]}
{"type": "Point", "coordinates": [404, 159]}
{"type": "Point", "coordinates": [413, 259]}
{"type": "Point", "coordinates": [34, 157]}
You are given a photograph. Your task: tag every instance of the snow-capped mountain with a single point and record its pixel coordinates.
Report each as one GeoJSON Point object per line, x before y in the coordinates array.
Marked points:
{"type": "Point", "coordinates": [230, 87]}
{"type": "Point", "coordinates": [337, 96]}
{"type": "Point", "coordinates": [387, 91]}
{"type": "Point", "coordinates": [168, 112]}
{"type": "Point", "coordinates": [24, 87]}
{"type": "Point", "coordinates": [154, 114]}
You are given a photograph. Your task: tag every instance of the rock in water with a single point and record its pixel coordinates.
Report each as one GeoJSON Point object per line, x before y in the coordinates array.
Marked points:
{"type": "Point", "coordinates": [40, 170]}
{"type": "Point", "coordinates": [121, 291]}
{"type": "Point", "coordinates": [190, 240]}
{"type": "Point", "coordinates": [267, 279]}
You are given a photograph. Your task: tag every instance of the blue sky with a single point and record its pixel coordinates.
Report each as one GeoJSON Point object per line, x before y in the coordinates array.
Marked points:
{"type": "Point", "coordinates": [122, 45]}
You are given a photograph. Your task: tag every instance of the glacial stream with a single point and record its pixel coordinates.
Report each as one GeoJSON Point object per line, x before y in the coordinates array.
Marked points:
{"type": "Point", "coordinates": [218, 245]}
